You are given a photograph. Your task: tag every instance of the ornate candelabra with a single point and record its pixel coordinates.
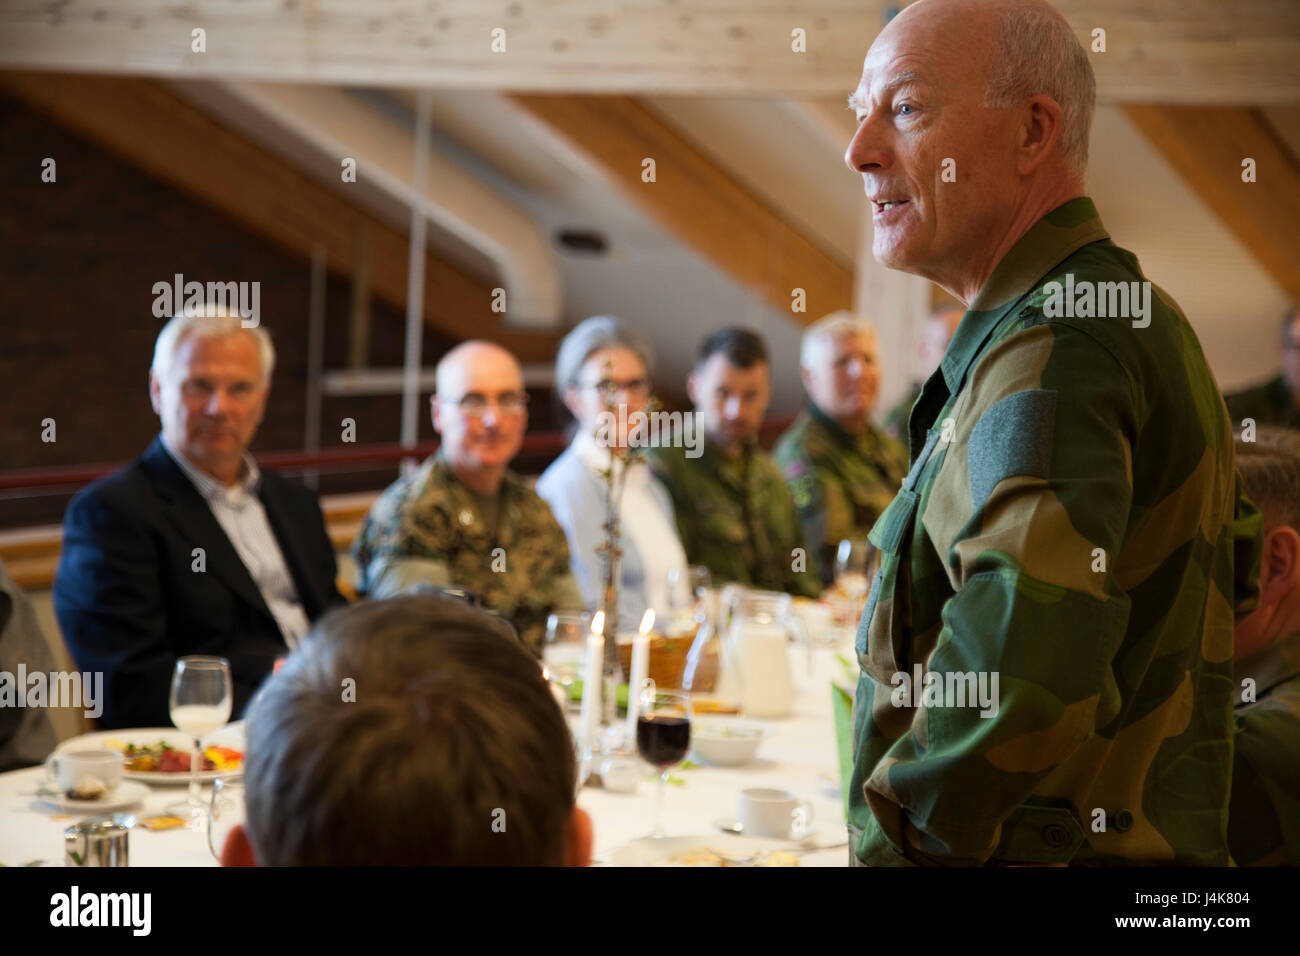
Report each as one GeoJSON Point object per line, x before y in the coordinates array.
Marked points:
{"type": "Point", "coordinates": [614, 477]}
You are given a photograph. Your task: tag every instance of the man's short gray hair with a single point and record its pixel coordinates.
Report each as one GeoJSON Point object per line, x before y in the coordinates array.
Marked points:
{"type": "Point", "coordinates": [1270, 474]}
{"type": "Point", "coordinates": [592, 335]}
{"type": "Point", "coordinates": [1038, 53]}
{"type": "Point", "coordinates": [828, 328]}
{"type": "Point", "coordinates": [185, 326]}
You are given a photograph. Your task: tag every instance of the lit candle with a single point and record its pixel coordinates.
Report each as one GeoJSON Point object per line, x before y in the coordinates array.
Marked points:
{"type": "Point", "coordinates": [640, 665]}
{"type": "Point", "coordinates": [561, 698]}
{"type": "Point", "coordinates": [591, 680]}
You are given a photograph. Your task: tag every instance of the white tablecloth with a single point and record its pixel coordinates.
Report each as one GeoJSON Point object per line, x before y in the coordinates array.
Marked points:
{"type": "Point", "coordinates": [800, 756]}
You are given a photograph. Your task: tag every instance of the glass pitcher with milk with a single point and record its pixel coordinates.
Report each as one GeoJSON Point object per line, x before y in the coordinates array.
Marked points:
{"type": "Point", "coordinates": [756, 629]}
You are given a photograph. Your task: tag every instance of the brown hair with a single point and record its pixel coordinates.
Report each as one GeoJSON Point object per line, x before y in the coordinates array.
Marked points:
{"type": "Point", "coordinates": [452, 752]}
{"type": "Point", "coordinates": [744, 349]}
{"type": "Point", "coordinates": [1270, 474]}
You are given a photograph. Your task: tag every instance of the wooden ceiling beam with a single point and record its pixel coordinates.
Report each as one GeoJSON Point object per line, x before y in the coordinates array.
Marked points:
{"type": "Point", "coordinates": [1208, 145]}
{"type": "Point", "coordinates": [695, 200]}
{"type": "Point", "coordinates": [1173, 51]}
{"type": "Point", "coordinates": [173, 141]}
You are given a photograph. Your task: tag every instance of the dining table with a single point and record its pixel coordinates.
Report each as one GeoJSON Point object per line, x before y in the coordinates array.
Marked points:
{"type": "Point", "coordinates": [799, 754]}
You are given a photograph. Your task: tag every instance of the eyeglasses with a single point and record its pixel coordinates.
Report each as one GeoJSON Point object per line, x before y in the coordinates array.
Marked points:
{"type": "Point", "coordinates": [609, 388]}
{"type": "Point", "coordinates": [475, 405]}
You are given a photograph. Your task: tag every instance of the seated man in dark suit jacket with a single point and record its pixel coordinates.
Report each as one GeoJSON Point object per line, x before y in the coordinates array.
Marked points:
{"type": "Point", "coordinates": [192, 549]}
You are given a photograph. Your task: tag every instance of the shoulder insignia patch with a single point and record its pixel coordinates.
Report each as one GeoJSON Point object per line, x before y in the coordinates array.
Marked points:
{"type": "Point", "coordinates": [1014, 437]}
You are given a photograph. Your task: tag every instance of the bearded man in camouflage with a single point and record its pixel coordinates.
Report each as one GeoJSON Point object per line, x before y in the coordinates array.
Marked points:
{"type": "Point", "coordinates": [734, 513]}
{"type": "Point", "coordinates": [463, 518]}
{"type": "Point", "coordinates": [1071, 535]}
{"type": "Point", "coordinates": [842, 472]}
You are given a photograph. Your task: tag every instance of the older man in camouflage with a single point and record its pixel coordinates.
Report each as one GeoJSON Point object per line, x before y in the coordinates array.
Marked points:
{"type": "Point", "coordinates": [1070, 534]}
{"type": "Point", "coordinates": [1264, 821]}
{"type": "Point", "coordinates": [734, 514]}
{"type": "Point", "coordinates": [463, 518]}
{"type": "Point", "coordinates": [841, 471]}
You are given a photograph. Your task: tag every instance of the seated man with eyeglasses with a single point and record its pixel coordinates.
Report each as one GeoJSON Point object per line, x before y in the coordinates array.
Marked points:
{"type": "Point", "coordinates": [463, 519]}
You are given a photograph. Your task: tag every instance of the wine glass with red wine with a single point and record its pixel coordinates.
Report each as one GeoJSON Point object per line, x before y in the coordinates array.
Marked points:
{"type": "Point", "coordinates": [663, 736]}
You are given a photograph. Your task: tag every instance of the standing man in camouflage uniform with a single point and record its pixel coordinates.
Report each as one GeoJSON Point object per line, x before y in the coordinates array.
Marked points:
{"type": "Point", "coordinates": [1276, 402]}
{"type": "Point", "coordinates": [733, 511]}
{"type": "Point", "coordinates": [1264, 822]}
{"type": "Point", "coordinates": [841, 471]}
{"type": "Point", "coordinates": [463, 518]}
{"type": "Point", "coordinates": [1070, 537]}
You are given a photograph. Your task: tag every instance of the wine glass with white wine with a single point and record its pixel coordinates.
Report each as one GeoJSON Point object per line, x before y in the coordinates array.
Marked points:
{"type": "Point", "coordinates": [201, 701]}
{"type": "Point", "coordinates": [853, 560]}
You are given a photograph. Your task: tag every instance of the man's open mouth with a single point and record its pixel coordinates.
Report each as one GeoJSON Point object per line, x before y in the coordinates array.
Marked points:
{"type": "Point", "coordinates": [882, 205]}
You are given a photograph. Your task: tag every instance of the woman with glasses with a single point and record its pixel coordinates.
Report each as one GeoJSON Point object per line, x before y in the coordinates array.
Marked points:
{"type": "Point", "coordinates": [602, 373]}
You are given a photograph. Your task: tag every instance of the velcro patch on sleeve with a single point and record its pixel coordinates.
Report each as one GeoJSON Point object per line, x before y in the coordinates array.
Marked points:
{"type": "Point", "coordinates": [1014, 437]}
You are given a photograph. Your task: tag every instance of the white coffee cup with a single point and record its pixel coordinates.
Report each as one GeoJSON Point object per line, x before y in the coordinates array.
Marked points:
{"type": "Point", "coordinates": [773, 813]}
{"type": "Point", "coordinates": [71, 769]}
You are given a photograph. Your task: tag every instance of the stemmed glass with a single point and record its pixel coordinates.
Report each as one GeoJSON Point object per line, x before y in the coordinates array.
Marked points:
{"type": "Point", "coordinates": [226, 812]}
{"type": "Point", "coordinates": [565, 647]}
{"type": "Point", "coordinates": [201, 700]}
{"type": "Point", "coordinates": [663, 737]}
{"type": "Point", "coordinates": [681, 603]}
{"type": "Point", "coordinates": [853, 561]}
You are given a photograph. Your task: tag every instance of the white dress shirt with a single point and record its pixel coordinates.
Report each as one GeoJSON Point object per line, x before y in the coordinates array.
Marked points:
{"type": "Point", "coordinates": [648, 529]}
{"type": "Point", "coordinates": [240, 513]}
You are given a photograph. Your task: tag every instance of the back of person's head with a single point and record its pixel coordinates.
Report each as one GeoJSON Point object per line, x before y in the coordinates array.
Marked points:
{"type": "Point", "coordinates": [1270, 475]}
{"type": "Point", "coordinates": [413, 731]}
{"type": "Point", "coordinates": [743, 349]}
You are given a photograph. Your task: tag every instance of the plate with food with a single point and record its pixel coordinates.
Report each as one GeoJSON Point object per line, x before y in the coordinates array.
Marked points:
{"type": "Point", "coordinates": [706, 851]}
{"type": "Point", "coordinates": [161, 755]}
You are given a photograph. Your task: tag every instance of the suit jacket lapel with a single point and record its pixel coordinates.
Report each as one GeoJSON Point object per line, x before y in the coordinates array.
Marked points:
{"type": "Point", "coordinates": [295, 550]}
{"type": "Point", "coordinates": [188, 511]}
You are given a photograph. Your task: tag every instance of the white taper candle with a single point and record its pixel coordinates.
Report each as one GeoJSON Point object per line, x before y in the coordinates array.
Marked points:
{"type": "Point", "coordinates": [591, 682]}
{"type": "Point", "coordinates": [640, 666]}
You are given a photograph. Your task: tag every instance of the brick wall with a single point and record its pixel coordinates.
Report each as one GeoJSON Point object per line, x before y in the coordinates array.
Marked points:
{"type": "Point", "coordinates": [78, 261]}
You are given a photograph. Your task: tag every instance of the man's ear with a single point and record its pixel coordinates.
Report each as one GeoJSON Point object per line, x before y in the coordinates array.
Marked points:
{"type": "Point", "coordinates": [1040, 134]}
{"type": "Point", "coordinates": [581, 837]}
{"type": "Point", "coordinates": [238, 851]}
{"type": "Point", "coordinates": [155, 393]}
{"type": "Point", "coordinates": [806, 377]}
{"type": "Point", "coordinates": [435, 415]}
{"type": "Point", "coordinates": [692, 389]}
{"type": "Point", "coordinates": [1279, 568]}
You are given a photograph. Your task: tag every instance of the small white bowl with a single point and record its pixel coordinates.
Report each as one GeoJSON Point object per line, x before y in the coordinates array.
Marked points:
{"type": "Point", "coordinates": [727, 741]}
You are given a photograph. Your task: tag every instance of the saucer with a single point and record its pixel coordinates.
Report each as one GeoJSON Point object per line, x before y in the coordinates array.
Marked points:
{"type": "Point", "coordinates": [731, 825]}
{"type": "Point", "coordinates": [126, 794]}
